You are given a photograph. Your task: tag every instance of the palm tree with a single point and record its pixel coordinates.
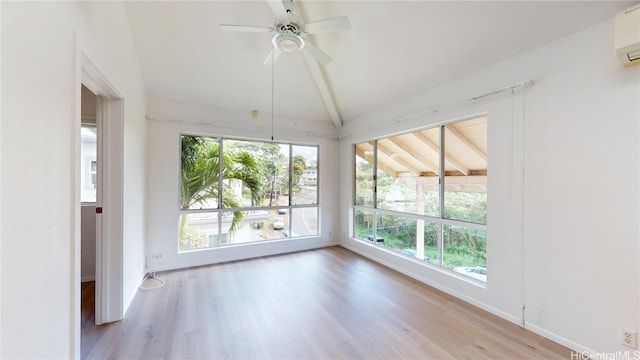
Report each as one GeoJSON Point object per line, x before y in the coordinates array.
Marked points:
{"type": "Point", "coordinates": [199, 180]}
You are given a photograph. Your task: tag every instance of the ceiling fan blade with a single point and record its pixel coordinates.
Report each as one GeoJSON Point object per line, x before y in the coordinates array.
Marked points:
{"type": "Point", "coordinates": [273, 56]}
{"type": "Point", "coordinates": [328, 25]}
{"type": "Point", "coordinates": [280, 12]}
{"type": "Point", "coordinates": [316, 53]}
{"type": "Point", "coordinates": [246, 28]}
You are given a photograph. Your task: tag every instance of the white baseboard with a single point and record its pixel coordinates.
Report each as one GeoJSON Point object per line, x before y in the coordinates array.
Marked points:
{"type": "Point", "coordinates": [365, 251]}
{"type": "Point", "coordinates": [420, 277]}
{"type": "Point", "coordinates": [270, 250]}
{"type": "Point", "coordinates": [559, 339]}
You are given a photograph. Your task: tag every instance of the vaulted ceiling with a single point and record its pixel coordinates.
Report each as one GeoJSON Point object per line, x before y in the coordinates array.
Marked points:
{"type": "Point", "coordinates": [394, 49]}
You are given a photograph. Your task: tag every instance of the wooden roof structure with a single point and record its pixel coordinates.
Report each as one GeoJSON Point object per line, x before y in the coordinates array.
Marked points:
{"type": "Point", "coordinates": [414, 157]}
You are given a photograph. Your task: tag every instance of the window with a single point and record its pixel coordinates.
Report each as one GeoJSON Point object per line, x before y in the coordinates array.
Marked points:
{"type": "Point", "coordinates": [88, 163]}
{"type": "Point", "coordinates": [424, 194]}
{"type": "Point", "coordinates": [238, 191]}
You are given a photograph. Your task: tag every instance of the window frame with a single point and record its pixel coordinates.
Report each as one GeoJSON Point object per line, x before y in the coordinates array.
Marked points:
{"type": "Point", "coordinates": [220, 210]}
{"type": "Point", "coordinates": [441, 221]}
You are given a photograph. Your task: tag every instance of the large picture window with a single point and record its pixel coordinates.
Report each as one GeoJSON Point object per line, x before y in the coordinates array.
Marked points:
{"type": "Point", "coordinates": [424, 194]}
{"type": "Point", "coordinates": [238, 191]}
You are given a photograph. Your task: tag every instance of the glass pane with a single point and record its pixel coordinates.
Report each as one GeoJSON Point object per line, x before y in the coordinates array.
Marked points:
{"type": "Point", "coordinates": [304, 222]}
{"type": "Point", "coordinates": [304, 175]}
{"type": "Point", "coordinates": [394, 193]}
{"type": "Point", "coordinates": [430, 241]}
{"type": "Point", "coordinates": [465, 195]}
{"type": "Point", "coordinates": [465, 251]}
{"type": "Point", "coordinates": [198, 230]}
{"type": "Point", "coordinates": [276, 165]}
{"type": "Point", "coordinates": [260, 225]}
{"type": "Point", "coordinates": [198, 172]}
{"type": "Point", "coordinates": [364, 174]}
{"type": "Point", "coordinates": [363, 224]}
{"type": "Point", "coordinates": [255, 173]}
{"type": "Point", "coordinates": [88, 163]}
{"type": "Point", "coordinates": [408, 168]}
{"type": "Point", "coordinates": [399, 233]}
{"type": "Point", "coordinates": [430, 155]}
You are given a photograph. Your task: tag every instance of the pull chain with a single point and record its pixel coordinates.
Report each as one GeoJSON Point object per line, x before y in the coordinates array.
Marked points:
{"type": "Point", "coordinates": [273, 64]}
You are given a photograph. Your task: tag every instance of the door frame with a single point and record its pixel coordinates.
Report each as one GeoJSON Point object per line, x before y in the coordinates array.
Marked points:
{"type": "Point", "coordinates": [109, 196]}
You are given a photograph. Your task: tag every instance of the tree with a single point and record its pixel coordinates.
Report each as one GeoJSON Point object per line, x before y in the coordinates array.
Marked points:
{"type": "Point", "coordinates": [299, 165]}
{"type": "Point", "coordinates": [199, 173]}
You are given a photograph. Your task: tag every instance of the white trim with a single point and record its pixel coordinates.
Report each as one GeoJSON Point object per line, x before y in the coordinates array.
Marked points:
{"type": "Point", "coordinates": [370, 251]}
{"type": "Point", "coordinates": [559, 339]}
{"type": "Point", "coordinates": [253, 251]}
{"type": "Point", "coordinates": [88, 278]}
{"type": "Point", "coordinates": [74, 344]}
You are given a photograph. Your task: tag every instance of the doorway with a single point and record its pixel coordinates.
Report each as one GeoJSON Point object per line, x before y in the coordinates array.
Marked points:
{"type": "Point", "coordinates": [89, 167]}
{"type": "Point", "coordinates": [106, 172]}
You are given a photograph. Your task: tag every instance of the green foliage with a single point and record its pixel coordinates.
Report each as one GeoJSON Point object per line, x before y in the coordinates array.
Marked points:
{"type": "Point", "coordinates": [199, 179]}
{"type": "Point", "coordinates": [199, 171]}
{"type": "Point", "coordinates": [466, 206]}
{"type": "Point", "coordinates": [364, 183]}
{"type": "Point", "coordinates": [461, 246]}
{"type": "Point", "coordinates": [299, 164]}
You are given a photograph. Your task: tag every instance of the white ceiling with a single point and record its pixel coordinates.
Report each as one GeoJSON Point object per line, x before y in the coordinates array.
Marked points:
{"type": "Point", "coordinates": [393, 50]}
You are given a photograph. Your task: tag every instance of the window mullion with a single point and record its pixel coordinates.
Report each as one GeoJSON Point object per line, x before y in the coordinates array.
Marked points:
{"type": "Point", "coordinates": [220, 184]}
{"type": "Point", "coordinates": [441, 180]}
{"type": "Point", "coordinates": [375, 191]}
{"type": "Point", "coordinates": [290, 202]}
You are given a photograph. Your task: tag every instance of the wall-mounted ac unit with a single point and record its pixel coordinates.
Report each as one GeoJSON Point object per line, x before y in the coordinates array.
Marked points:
{"type": "Point", "coordinates": [627, 38]}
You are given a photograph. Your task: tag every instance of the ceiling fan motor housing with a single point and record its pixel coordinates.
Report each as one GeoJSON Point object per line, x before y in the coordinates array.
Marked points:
{"type": "Point", "coordinates": [288, 38]}
{"type": "Point", "coordinates": [290, 28]}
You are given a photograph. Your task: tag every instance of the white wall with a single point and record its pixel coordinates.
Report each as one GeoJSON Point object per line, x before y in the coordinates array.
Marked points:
{"type": "Point", "coordinates": [41, 47]}
{"type": "Point", "coordinates": [563, 188]}
{"type": "Point", "coordinates": [175, 117]}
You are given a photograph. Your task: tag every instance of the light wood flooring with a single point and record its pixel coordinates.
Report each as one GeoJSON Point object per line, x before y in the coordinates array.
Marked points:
{"type": "Point", "coordinates": [328, 303]}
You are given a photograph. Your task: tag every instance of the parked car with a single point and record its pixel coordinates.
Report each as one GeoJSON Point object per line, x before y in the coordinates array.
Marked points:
{"type": "Point", "coordinates": [475, 272]}
{"type": "Point", "coordinates": [379, 241]}
{"type": "Point", "coordinates": [282, 211]}
{"type": "Point", "coordinates": [278, 223]}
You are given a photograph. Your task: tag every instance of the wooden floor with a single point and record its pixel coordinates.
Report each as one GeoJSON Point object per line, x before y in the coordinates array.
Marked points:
{"type": "Point", "coordinates": [328, 303]}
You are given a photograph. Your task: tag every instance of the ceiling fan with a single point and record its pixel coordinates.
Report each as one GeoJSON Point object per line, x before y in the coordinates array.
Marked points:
{"type": "Point", "coordinates": [290, 31]}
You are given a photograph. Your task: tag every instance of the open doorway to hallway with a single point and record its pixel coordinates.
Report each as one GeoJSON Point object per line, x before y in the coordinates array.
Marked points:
{"type": "Point", "coordinates": [104, 174]}
{"type": "Point", "coordinates": [89, 166]}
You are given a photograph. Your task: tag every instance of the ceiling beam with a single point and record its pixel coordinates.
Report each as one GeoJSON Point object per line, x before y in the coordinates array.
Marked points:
{"type": "Point", "coordinates": [416, 155]}
{"type": "Point", "coordinates": [451, 160]}
{"type": "Point", "coordinates": [389, 171]}
{"type": "Point", "coordinates": [456, 133]}
{"type": "Point", "coordinates": [323, 89]}
{"type": "Point", "coordinates": [385, 150]}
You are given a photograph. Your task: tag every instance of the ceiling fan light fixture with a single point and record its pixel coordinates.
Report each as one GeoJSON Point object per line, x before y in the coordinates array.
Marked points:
{"type": "Point", "coordinates": [288, 43]}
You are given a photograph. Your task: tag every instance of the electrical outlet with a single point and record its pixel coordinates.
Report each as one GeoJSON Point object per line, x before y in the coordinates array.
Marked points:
{"type": "Point", "coordinates": [155, 256]}
{"type": "Point", "coordinates": [628, 338]}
